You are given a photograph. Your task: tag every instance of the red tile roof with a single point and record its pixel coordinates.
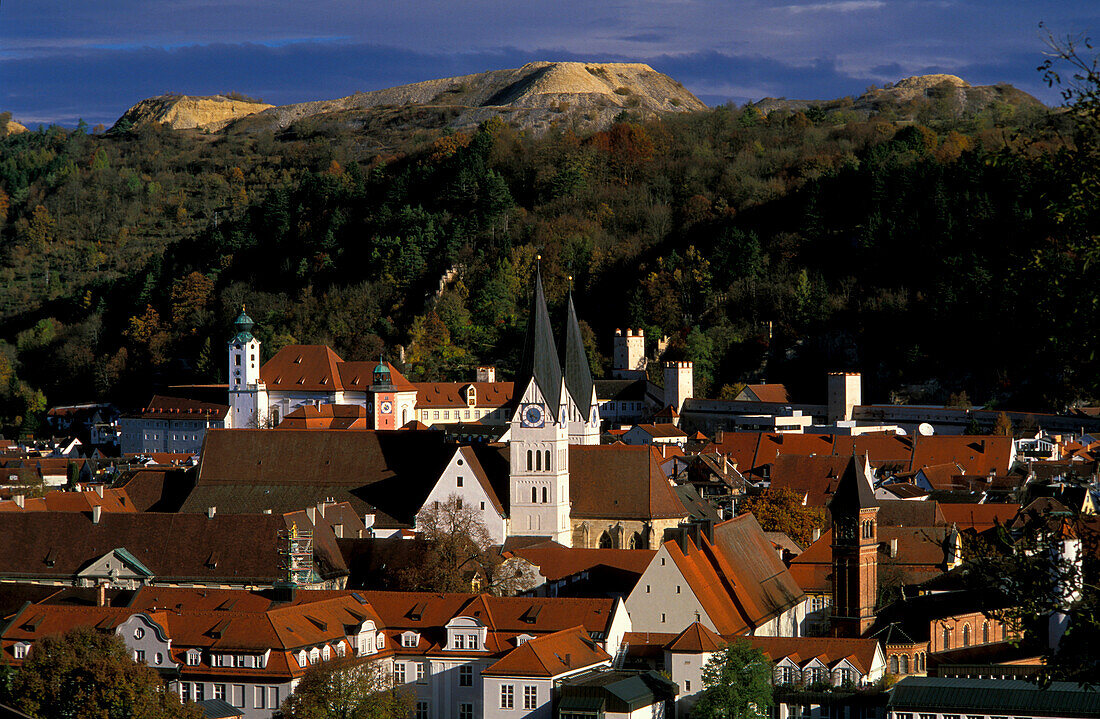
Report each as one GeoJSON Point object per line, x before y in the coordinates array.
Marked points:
{"type": "Point", "coordinates": [551, 655]}
{"type": "Point", "coordinates": [921, 556]}
{"type": "Point", "coordinates": [621, 481]}
{"type": "Point", "coordinates": [556, 562]}
{"type": "Point", "coordinates": [979, 517]}
{"type": "Point", "coordinates": [327, 416]}
{"type": "Point", "coordinates": [450, 395]}
{"type": "Point", "coordinates": [162, 407]}
{"type": "Point", "coordinates": [768, 392]}
{"type": "Point", "coordinates": [696, 638]}
{"type": "Point", "coordinates": [312, 368]}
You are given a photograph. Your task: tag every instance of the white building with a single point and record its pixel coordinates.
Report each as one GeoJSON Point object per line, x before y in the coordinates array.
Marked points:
{"type": "Point", "coordinates": [170, 424]}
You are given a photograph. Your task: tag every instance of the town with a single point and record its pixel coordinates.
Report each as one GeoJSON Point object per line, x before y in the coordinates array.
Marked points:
{"type": "Point", "coordinates": [557, 545]}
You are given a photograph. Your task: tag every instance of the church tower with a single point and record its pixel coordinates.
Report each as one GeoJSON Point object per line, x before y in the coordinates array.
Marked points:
{"type": "Point", "coordinates": [854, 513]}
{"type": "Point", "coordinates": [582, 411]}
{"type": "Point", "coordinates": [247, 393]}
{"type": "Point", "coordinates": [539, 434]}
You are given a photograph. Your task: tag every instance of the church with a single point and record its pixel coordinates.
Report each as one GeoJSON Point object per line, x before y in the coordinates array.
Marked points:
{"type": "Point", "coordinates": [560, 483]}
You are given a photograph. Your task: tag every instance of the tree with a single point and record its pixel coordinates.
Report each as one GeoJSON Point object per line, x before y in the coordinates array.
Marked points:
{"type": "Point", "coordinates": [347, 688]}
{"type": "Point", "coordinates": [737, 684]}
{"type": "Point", "coordinates": [89, 674]}
{"type": "Point", "coordinates": [1003, 427]}
{"type": "Point", "coordinates": [781, 510]}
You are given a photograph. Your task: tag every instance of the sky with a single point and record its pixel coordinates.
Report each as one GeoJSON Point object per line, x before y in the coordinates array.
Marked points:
{"type": "Point", "coordinates": [62, 60]}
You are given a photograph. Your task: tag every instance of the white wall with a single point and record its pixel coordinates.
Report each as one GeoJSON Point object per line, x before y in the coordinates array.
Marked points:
{"type": "Point", "coordinates": [655, 605]}
{"type": "Point", "coordinates": [471, 493]}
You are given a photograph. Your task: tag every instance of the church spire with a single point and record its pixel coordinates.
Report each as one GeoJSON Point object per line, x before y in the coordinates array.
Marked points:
{"type": "Point", "coordinates": [578, 375]}
{"type": "Point", "coordinates": [540, 356]}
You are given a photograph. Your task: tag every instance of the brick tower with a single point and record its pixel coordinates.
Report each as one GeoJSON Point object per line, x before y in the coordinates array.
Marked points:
{"type": "Point", "coordinates": [855, 551]}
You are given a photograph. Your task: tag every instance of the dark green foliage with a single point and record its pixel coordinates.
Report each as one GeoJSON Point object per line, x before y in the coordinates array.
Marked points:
{"type": "Point", "coordinates": [737, 684]}
{"type": "Point", "coordinates": [778, 246]}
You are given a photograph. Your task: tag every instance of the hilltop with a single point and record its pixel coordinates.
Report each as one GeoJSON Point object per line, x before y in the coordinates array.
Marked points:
{"type": "Point", "coordinates": [9, 126]}
{"type": "Point", "coordinates": [943, 95]}
{"type": "Point", "coordinates": [184, 112]}
{"type": "Point", "coordinates": [532, 97]}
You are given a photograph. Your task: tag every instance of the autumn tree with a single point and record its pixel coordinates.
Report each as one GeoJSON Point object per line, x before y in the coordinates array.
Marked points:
{"type": "Point", "coordinates": [347, 688]}
{"type": "Point", "coordinates": [1003, 426]}
{"type": "Point", "coordinates": [736, 684]}
{"type": "Point", "coordinates": [90, 674]}
{"type": "Point", "coordinates": [782, 510]}
{"type": "Point", "coordinates": [191, 297]}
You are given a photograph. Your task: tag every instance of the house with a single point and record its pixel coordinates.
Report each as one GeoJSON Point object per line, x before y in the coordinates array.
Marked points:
{"type": "Point", "coordinates": [617, 694]}
{"type": "Point", "coordinates": [170, 424]}
{"type": "Point", "coordinates": [580, 572]}
{"type": "Point", "coordinates": [735, 585]}
{"type": "Point", "coordinates": [774, 393]}
{"type": "Point", "coordinates": [655, 434]}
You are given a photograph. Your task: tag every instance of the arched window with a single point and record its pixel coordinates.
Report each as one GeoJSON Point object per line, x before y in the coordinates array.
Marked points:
{"type": "Point", "coordinates": [921, 664]}
{"type": "Point", "coordinates": [538, 461]}
{"type": "Point", "coordinates": [903, 664]}
{"type": "Point", "coordinates": [404, 417]}
{"type": "Point", "coordinates": [894, 664]}
{"type": "Point", "coordinates": [605, 541]}
{"type": "Point", "coordinates": [547, 460]}
{"type": "Point", "coordinates": [947, 638]}
{"type": "Point", "coordinates": [528, 460]}
{"type": "Point", "coordinates": [534, 494]}
{"type": "Point", "coordinates": [985, 632]}
{"type": "Point", "coordinates": [966, 635]}
{"type": "Point", "coordinates": [544, 495]}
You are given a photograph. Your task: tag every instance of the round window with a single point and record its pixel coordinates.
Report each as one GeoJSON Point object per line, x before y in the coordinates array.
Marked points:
{"type": "Point", "coordinates": [139, 633]}
{"type": "Point", "coordinates": [158, 658]}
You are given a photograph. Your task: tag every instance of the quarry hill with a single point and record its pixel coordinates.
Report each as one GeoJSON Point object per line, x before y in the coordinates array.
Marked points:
{"type": "Point", "coordinates": [943, 94]}
{"type": "Point", "coordinates": [532, 97]}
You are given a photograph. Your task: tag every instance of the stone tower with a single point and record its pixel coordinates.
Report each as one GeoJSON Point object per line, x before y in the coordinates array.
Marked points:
{"type": "Point", "coordinates": [582, 411]}
{"type": "Point", "coordinates": [628, 355]}
{"type": "Point", "coordinates": [679, 384]}
{"type": "Point", "coordinates": [845, 392]}
{"type": "Point", "coordinates": [539, 434]}
{"type": "Point", "coordinates": [247, 392]}
{"type": "Point", "coordinates": [854, 513]}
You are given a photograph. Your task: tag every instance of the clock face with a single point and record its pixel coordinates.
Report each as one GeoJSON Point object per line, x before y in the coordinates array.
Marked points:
{"type": "Point", "coordinates": [532, 415]}
{"type": "Point", "coordinates": [386, 407]}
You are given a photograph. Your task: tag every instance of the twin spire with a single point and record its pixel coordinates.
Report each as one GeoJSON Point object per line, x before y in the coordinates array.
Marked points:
{"type": "Point", "coordinates": [541, 359]}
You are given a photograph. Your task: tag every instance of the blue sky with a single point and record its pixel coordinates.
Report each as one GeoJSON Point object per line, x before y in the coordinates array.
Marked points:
{"type": "Point", "coordinates": [62, 60]}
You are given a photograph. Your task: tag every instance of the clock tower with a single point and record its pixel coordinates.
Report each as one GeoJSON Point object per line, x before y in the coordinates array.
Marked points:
{"type": "Point", "coordinates": [539, 435]}
{"type": "Point", "coordinates": [854, 512]}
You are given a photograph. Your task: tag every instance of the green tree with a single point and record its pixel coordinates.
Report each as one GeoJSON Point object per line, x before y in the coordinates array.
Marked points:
{"type": "Point", "coordinates": [736, 684]}
{"type": "Point", "coordinates": [347, 688]}
{"type": "Point", "coordinates": [781, 510]}
{"type": "Point", "coordinates": [89, 674]}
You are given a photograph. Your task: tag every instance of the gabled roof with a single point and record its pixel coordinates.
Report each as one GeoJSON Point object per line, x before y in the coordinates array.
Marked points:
{"type": "Point", "coordinates": [574, 360]}
{"type": "Point", "coordinates": [164, 407]}
{"type": "Point", "coordinates": [764, 393]}
{"type": "Point", "coordinates": [540, 355]}
{"type": "Point", "coordinates": [303, 368]}
{"type": "Point", "coordinates": [327, 416]}
{"type": "Point", "coordinates": [661, 430]}
{"type": "Point", "coordinates": [487, 395]}
{"type": "Point", "coordinates": [550, 655]}
{"type": "Point", "coordinates": [622, 481]}
{"type": "Point", "coordinates": [556, 562]}
{"type": "Point", "coordinates": [979, 517]}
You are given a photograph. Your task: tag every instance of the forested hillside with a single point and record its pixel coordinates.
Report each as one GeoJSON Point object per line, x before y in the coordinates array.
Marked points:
{"type": "Point", "coordinates": [937, 253]}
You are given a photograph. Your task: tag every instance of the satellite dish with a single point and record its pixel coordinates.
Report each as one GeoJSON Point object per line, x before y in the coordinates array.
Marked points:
{"type": "Point", "coordinates": [900, 431]}
{"type": "Point", "coordinates": [925, 430]}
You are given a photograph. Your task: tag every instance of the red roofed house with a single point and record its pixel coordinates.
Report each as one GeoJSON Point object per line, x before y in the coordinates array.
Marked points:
{"type": "Point", "coordinates": [735, 585]}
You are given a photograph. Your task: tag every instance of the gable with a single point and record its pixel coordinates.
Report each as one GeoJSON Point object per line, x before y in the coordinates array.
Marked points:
{"type": "Point", "coordinates": [117, 563]}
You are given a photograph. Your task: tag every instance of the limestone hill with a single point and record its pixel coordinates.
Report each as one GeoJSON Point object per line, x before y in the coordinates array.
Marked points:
{"type": "Point", "coordinates": [948, 95]}
{"type": "Point", "coordinates": [183, 112]}
{"type": "Point", "coordinates": [534, 97]}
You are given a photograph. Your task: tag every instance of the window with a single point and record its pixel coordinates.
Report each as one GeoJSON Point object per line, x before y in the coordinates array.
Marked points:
{"type": "Point", "coordinates": [185, 691]}
{"type": "Point", "coordinates": [946, 638]}
{"type": "Point", "coordinates": [530, 696]}
{"type": "Point", "coordinates": [927, 716]}
{"type": "Point", "coordinates": [260, 695]}
{"type": "Point", "coordinates": [200, 692]}
{"type": "Point", "coordinates": [483, 506]}
{"type": "Point", "coordinates": [985, 632]}
{"type": "Point", "coordinates": [475, 641]}
{"type": "Point", "coordinates": [139, 633]}
{"type": "Point", "coordinates": [547, 460]}
{"type": "Point", "coordinates": [466, 711]}
{"type": "Point", "coordinates": [894, 664]}
{"type": "Point", "coordinates": [273, 697]}
{"type": "Point", "coordinates": [139, 656]}
{"type": "Point", "coordinates": [458, 503]}
{"type": "Point", "coordinates": [647, 589]}
{"type": "Point", "coordinates": [677, 588]}
{"type": "Point", "coordinates": [544, 495]}
{"type": "Point", "coordinates": [240, 660]}
{"type": "Point", "coordinates": [662, 617]}
{"type": "Point", "coordinates": [219, 691]}
{"type": "Point", "coordinates": [687, 685]}
{"type": "Point", "coordinates": [459, 642]}
{"type": "Point", "coordinates": [238, 696]}
{"type": "Point", "coordinates": [507, 696]}
{"type": "Point", "coordinates": [459, 480]}
{"type": "Point", "coordinates": [528, 460]}
{"type": "Point", "coordinates": [847, 676]}
{"type": "Point", "coordinates": [465, 676]}
{"type": "Point", "coordinates": [410, 640]}
{"type": "Point", "coordinates": [903, 664]}
{"type": "Point", "coordinates": [326, 653]}
{"type": "Point", "coordinates": [158, 658]}
{"type": "Point", "coordinates": [20, 651]}
{"type": "Point", "coordinates": [534, 495]}
{"type": "Point", "coordinates": [399, 672]}
{"type": "Point", "coordinates": [421, 673]}
{"type": "Point", "coordinates": [422, 709]}
{"type": "Point", "coordinates": [966, 635]}
{"type": "Point", "coordinates": [538, 461]}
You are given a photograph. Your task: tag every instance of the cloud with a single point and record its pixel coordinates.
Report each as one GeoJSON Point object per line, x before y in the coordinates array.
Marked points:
{"type": "Point", "coordinates": [843, 6]}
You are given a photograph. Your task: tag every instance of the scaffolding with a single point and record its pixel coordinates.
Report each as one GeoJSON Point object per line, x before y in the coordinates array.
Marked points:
{"type": "Point", "coordinates": [297, 555]}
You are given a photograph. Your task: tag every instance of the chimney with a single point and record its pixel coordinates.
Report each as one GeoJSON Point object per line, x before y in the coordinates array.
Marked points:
{"type": "Point", "coordinates": [311, 513]}
{"type": "Point", "coordinates": [816, 534]}
{"type": "Point", "coordinates": [338, 530]}
{"type": "Point", "coordinates": [210, 512]}
{"type": "Point", "coordinates": [99, 490]}
{"type": "Point", "coordinates": [101, 595]}
{"type": "Point", "coordinates": [894, 547]}
{"type": "Point", "coordinates": [568, 659]}
{"type": "Point", "coordinates": [97, 512]}
{"type": "Point", "coordinates": [368, 521]}
{"type": "Point", "coordinates": [321, 509]}
{"type": "Point", "coordinates": [20, 500]}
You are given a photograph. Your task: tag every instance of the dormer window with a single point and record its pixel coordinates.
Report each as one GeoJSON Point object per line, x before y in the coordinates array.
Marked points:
{"type": "Point", "coordinates": [21, 649]}
{"type": "Point", "coordinates": [326, 653]}
{"type": "Point", "coordinates": [314, 655]}
{"type": "Point", "coordinates": [410, 639]}
{"type": "Point", "coordinates": [523, 639]}
{"type": "Point", "coordinates": [381, 643]}
{"type": "Point", "coordinates": [194, 656]}
{"type": "Point", "coordinates": [302, 659]}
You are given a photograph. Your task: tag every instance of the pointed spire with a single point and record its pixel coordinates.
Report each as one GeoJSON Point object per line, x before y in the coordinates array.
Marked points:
{"type": "Point", "coordinates": [578, 376]}
{"type": "Point", "coordinates": [540, 356]}
{"type": "Point", "coordinates": [853, 491]}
